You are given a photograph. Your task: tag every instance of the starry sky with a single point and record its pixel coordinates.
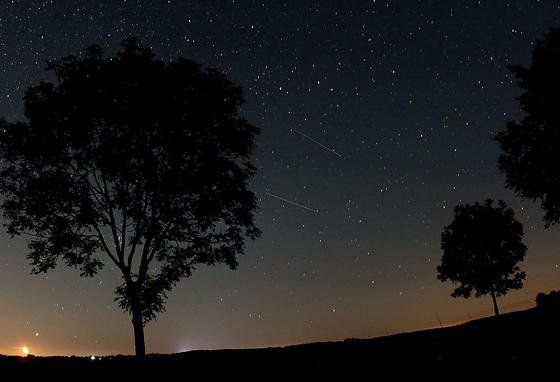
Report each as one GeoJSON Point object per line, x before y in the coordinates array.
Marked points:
{"type": "Point", "coordinates": [377, 118]}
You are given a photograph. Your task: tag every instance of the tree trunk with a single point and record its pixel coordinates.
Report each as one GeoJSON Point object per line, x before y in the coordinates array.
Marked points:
{"type": "Point", "coordinates": [138, 325]}
{"type": "Point", "coordinates": [496, 311]}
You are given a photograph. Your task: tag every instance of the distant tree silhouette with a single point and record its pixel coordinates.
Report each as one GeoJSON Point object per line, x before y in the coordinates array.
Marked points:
{"type": "Point", "coordinates": [135, 160]}
{"type": "Point", "coordinates": [481, 251]}
{"type": "Point", "coordinates": [531, 147]}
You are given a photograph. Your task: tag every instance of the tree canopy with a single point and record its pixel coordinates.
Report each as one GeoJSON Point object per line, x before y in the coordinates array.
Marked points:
{"type": "Point", "coordinates": [482, 248]}
{"type": "Point", "coordinates": [531, 147]}
{"type": "Point", "coordinates": [134, 160]}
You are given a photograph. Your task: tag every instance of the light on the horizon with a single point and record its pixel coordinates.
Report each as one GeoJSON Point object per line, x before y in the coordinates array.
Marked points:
{"type": "Point", "coordinates": [183, 349]}
{"type": "Point", "coordinates": [25, 350]}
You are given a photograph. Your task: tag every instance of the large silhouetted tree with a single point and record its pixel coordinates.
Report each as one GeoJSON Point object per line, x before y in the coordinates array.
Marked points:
{"type": "Point", "coordinates": [531, 147]}
{"type": "Point", "coordinates": [133, 160]}
{"type": "Point", "coordinates": [482, 248]}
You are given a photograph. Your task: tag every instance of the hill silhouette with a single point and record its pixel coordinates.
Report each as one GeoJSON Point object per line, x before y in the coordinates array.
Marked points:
{"type": "Point", "coordinates": [524, 338]}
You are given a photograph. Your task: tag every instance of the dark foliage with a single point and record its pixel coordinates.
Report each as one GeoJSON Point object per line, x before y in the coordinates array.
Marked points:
{"type": "Point", "coordinates": [550, 301]}
{"type": "Point", "coordinates": [531, 147]}
{"type": "Point", "coordinates": [137, 159]}
{"type": "Point", "coordinates": [482, 248]}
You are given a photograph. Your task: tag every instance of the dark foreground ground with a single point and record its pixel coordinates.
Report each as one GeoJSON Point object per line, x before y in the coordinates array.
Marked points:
{"type": "Point", "coordinates": [513, 343]}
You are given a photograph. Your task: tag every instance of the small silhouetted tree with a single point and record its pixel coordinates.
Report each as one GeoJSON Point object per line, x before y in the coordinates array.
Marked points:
{"type": "Point", "coordinates": [482, 248]}
{"type": "Point", "coordinates": [133, 160]}
{"type": "Point", "coordinates": [531, 147]}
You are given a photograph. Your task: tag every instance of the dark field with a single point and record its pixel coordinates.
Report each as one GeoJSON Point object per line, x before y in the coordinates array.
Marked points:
{"type": "Point", "coordinates": [511, 343]}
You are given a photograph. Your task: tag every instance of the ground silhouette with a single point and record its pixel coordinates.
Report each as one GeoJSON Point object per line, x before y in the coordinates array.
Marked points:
{"type": "Point", "coordinates": [522, 340]}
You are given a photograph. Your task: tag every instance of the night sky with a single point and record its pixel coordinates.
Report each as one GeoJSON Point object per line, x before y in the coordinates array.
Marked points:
{"type": "Point", "coordinates": [377, 118]}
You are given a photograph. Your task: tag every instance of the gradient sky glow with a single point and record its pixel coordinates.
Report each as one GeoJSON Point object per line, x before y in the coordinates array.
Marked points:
{"type": "Point", "coordinates": [377, 118]}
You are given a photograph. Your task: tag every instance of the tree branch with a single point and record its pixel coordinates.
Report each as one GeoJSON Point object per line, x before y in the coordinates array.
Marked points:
{"type": "Point", "coordinates": [105, 192]}
{"type": "Point", "coordinates": [107, 250]}
{"type": "Point", "coordinates": [161, 239]}
{"type": "Point", "coordinates": [94, 192]}
{"type": "Point", "coordinates": [137, 236]}
{"type": "Point", "coordinates": [144, 263]}
{"type": "Point", "coordinates": [113, 223]}
{"type": "Point", "coordinates": [124, 226]}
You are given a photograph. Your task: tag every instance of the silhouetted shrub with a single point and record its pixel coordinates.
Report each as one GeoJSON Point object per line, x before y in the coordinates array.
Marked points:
{"type": "Point", "coordinates": [549, 301]}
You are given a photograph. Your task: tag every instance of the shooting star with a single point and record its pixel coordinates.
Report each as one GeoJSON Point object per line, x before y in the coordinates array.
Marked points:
{"type": "Point", "coordinates": [319, 143]}
{"type": "Point", "coordinates": [291, 202]}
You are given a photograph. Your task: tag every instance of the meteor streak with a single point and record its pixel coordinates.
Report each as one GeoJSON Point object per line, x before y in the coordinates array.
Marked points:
{"type": "Point", "coordinates": [291, 202]}
{"type": "Point", "coordinates": [319, 143]}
